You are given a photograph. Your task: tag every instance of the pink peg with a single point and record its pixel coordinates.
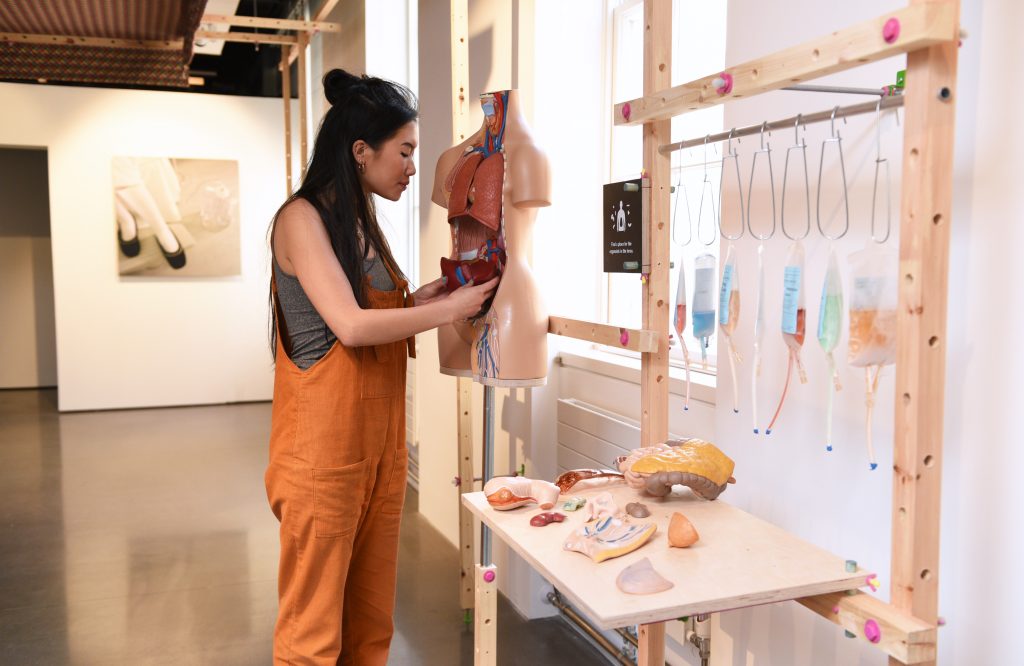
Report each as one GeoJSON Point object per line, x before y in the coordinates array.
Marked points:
{"type": "Point", "coordinates": [872, 632]}
{"type": "Point", "coordinates": [941, 622]}
{"type": "Point", "coordinates": [891, 30]}
{"type": "Point", "coordinates": [835, 609]}
{"type": "Point", "coordinates": [489, 576]}
{"type": "Point", "coordinates": [725, 79]}
{"type": "Point", "coordinates": [626, 110]}
{"type": "Point", "coordinates": [623, 337]}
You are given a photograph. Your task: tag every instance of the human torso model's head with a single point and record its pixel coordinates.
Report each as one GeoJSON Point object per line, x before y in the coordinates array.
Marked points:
{"type": "Point", "coordinates": [492, 184]}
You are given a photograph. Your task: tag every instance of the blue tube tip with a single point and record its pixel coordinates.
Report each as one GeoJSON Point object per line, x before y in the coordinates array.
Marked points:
{"type": "Point", "coordinates": [735, 411]}
{"type": "Point", "coordinates": [756, 431]}
{"type": "Point", "coordinates": [874, 466]}
{"type": "Point", "coordinates": [685, 408]}
{"type": "Point", "coordinates": [767, 432]}
{"type": "Point", "coordinates": [828, 447]}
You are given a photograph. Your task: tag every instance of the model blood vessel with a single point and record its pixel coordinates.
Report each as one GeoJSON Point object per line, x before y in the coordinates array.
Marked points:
{"type": "Point", "coordinates": [511, 492]}
{"type": "Point", "coordinates": [794, 320]}
{"type": "Point", "coordinates": [704, 303]}
{"type": "Point", "coordinates": [492, 185]}
{"type": "Point", "coordinates": [679, 322]}
{"type": "Point", "coordinates": [830, 325]}
{"type": "Point", "coordinates": [729, 317]}
{"type": "Point", "coordinates": [583, 479]}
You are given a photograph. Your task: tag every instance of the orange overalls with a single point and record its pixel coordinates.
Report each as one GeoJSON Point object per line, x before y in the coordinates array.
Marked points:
{"type": "Point", "coordinates": [336, 481]}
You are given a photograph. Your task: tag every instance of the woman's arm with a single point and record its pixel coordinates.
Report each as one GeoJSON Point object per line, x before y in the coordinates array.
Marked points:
{"type": "Point", "coordinates": [303, 248]}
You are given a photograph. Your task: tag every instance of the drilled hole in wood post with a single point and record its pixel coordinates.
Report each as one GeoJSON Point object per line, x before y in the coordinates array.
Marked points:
{"type": "Point", "coordinates": [909, 277]}
{"type": "Point", "coordinates": [903, 513]}
{"type": "Point", "coordinates": [933, 341]}
{"type": "Point", "coordinates": [906, 399]}
{"type": "Point", "coordinates": [929, 461]}
{"type": "Point", "coordinates": [754, 73]}
{"type": "Point", "coordinates": [937, 219]}
{"type": "Point", "coordinates": [926, 574]}
{"type": "Point", "coordinates": [815, 54]}
{"type": "Point", "coordinates": [914, 152]}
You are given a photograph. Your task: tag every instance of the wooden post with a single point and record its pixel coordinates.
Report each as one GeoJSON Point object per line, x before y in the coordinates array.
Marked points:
{"type": "Point", "coordinates": [286, 94]}
{"type": "Point", "coordinates": [921, 341]}
{"type": "Point", "coordinates": [485, 625]}
{"type": "Point", "coordinates": [466, 532]}
{"type": "Point", "coordinates": [303, 42]}
{"type": "Point", "coordinates": [464, 385]}
{"type": "Point", "coordinates": [654, 365]}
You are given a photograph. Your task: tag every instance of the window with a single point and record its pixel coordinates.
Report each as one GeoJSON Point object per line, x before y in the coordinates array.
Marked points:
{"type": "Point", "coordinates": [698, 49]}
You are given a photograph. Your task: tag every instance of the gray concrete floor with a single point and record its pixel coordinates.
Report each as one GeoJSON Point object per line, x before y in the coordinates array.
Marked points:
{"type": "Point", "coordinates": [144, 537]}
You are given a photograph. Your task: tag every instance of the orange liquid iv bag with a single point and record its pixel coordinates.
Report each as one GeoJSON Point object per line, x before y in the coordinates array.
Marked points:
{"type": "Point", "coordinates": [794, 320]}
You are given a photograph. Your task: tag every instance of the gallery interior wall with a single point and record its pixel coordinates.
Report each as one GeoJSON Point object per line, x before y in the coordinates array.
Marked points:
{"type": "Point", "coordinates": [28, 348]}
{"type": "Point", "coordinates": [150, 342]}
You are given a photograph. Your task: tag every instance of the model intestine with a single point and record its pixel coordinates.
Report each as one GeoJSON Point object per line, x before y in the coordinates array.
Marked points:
{"type": "Point", "coordinates": [695, 463]}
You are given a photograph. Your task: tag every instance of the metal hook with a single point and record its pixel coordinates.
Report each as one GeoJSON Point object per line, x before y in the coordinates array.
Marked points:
{"type": "Point", "coordinates": [705, 187]}
{"type": "Point", "coordinates": [728, 154]}
{"type": "Point", "coordinates": [838, 140]}
{"type": "Point", "coordinates": [880, 162]}
{"type": "Point", "coordinates": [675, 209]}
{"type": "Point", "coordinates": [802, 147]}
{"type": "Point", "coordinates": [767, 150]}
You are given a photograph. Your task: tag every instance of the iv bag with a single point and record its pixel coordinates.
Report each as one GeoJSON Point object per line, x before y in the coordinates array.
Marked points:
{"type": "Point", "coordinates": [704, 301]}
{"type": "Point", "coordinates": [830, 325]}
{"type": "Point", "coordinates": [729, 316]}
{"type": "Point", "coordinates": [873, 301]}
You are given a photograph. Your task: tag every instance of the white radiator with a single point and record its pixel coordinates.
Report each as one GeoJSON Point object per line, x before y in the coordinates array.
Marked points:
{"type": "Point", "coordinates": [589, 436]}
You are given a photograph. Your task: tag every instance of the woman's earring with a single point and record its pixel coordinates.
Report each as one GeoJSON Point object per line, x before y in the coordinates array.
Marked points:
{"type": "Point", "coordinates": [361, 166]}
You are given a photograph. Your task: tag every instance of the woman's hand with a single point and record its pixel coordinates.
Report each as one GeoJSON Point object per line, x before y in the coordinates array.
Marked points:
{"type": "Point", "coordinates": [430, 292]}
{"type": "Point", "coordinates": [469, 299]}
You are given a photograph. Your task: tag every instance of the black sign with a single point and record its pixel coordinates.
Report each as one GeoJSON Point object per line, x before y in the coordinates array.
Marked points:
{"type": "Point", "coordinates": [623, 227]}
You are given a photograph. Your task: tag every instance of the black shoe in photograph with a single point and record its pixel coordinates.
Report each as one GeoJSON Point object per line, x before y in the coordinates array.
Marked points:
{"type": "Point", "coordinates": [130, 248]}
{"type": "Point", "coordinates": [177, 258]}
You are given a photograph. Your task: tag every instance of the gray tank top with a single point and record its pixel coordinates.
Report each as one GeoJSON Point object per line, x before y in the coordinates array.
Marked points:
{"type": "Point", "coordinates": [309, 337]}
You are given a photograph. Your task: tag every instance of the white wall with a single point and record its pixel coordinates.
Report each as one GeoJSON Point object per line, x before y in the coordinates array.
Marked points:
{"type": "Point", "coordinates": [149, 342]}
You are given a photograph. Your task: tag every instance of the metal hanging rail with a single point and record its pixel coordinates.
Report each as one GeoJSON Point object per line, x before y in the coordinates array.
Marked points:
{"type": "Point", "coordinates": [843, 90]}
{"type": "Point", "coordinates": [787, 123]}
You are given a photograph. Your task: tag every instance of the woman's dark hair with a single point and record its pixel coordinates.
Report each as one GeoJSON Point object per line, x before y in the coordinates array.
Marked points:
{"type": "Point", "coordinates": [362, 107]}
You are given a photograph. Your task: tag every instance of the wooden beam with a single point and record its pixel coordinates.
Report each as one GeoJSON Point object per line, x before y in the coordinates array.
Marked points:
{"type": "Point", "coordinates": [654, 365]}
{"type": "Point", "coordinates": [272, 23]}
{"type": "Point", "coordinates": [485, 622]}
{"type": "Point", "coordinates": [920, 26]}
{"type": "Point", "coordinates": [921, 324]}
{"type": "Point", "coordinates": [325, 8]}
{"type": "Point", "coordinates": [250, 37]}
{"type": "Point", "coordinates": [69, 40]}
{"type": "Point", "coordinates": [459, 25]}
{"type": "Point", "coordinates": [637, 340]}
{"type": "Point", "coordinates": [303, 42]}
{"type": "Point", "coordinates": [286, 95]}
{"type": "Point", "coordinates": [901, 636]}
{"type": "Point", "coordinates": [650, 644]}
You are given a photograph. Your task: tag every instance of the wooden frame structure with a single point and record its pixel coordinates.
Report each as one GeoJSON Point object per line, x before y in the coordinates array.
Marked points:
{"type": "Point", "coordinates": [928, 32]}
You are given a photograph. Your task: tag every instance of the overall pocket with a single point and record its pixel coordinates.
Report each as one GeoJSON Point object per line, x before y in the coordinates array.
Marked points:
{"type": "Point", "coordinates": [338, 495]}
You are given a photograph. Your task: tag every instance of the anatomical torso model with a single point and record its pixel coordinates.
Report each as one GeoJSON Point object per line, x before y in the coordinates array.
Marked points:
{"type": "Point", "coordinates": [492, 185]}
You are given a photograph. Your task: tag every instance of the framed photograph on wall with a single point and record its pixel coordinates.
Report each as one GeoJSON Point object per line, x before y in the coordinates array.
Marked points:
{"type": "Point", "coordinates": [176, 217]}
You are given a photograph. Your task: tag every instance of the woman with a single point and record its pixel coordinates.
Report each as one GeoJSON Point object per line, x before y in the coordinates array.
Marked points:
{"type": "Point", "coordinates": [344, 322]}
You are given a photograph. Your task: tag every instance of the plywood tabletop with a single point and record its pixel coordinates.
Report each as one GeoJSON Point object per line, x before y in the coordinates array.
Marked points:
{"type": "Point", "coordinates": [739, 561]}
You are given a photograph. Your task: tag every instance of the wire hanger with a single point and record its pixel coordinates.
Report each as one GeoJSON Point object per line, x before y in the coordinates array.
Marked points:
{"type": "Point", "coordinates": [838, 140]}
{"type": "Point", "coordinates": [767, 151]}
{"type": "Point", "coordinates": [730, 154]}
{"type": "Point", "coordinates": [675, 209]}
{"type": "Point", "coordinates": [880, 162]}
{"type": "Point", "coordinates": [705, 188]}
{"type": "Point", "coordinates": [802, 147]}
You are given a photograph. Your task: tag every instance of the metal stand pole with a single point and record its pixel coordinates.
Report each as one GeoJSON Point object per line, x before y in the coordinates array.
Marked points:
{"type": "Point", "coordinates": [488, 470]}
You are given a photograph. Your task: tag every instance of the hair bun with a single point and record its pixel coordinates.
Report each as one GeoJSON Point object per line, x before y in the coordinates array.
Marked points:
{"type": "Point", "coordinates": [339, 85]}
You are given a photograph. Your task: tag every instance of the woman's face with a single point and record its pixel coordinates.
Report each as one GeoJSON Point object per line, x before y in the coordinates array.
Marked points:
{"type": "Point", "coordinates": [389, 168]}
